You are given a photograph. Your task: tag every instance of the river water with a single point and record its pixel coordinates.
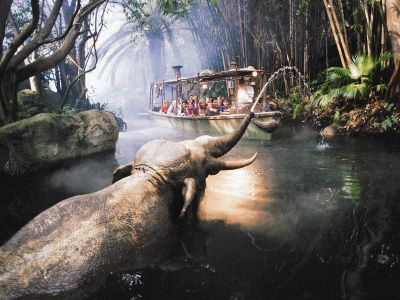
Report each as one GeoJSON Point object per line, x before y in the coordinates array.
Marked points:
{"type": "Point", "coordinates": [309, 219]}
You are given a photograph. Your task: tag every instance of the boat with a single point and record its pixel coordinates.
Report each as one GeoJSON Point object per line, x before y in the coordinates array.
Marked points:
{"type": "Point", "coordinates": [239, 85]}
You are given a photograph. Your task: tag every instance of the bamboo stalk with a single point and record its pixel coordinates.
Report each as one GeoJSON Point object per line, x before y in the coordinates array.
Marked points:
{"type": "Point", "coordinates": [335, 35]}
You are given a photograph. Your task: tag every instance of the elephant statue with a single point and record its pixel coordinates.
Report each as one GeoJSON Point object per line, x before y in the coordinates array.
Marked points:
{"type": "Point", "coordinates": [74, 245]}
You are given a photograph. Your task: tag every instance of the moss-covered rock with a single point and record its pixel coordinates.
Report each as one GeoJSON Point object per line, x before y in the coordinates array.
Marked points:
{"type": "Point", "coordinates": [49, 138]}
{"type": "Point", "coordinates": [27, 97]}
{"type": "Point", "coordinates": [29, 104]}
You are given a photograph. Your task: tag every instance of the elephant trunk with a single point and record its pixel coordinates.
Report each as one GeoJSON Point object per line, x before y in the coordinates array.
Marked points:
{"type": "Point", "coordinates": [218, 146]}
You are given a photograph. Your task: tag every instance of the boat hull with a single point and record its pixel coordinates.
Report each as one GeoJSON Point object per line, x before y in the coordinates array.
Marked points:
{"type": "Point", "coordinates": [215, 125]}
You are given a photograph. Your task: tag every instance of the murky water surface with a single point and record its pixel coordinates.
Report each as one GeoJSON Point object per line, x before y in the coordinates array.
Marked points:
{"type": "Point", "coordinates": [308, 220]}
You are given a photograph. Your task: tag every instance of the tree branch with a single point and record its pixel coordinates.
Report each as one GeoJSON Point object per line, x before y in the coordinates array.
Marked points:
{"type": "Point", "coordinates": [40, 36]}
{"type": "Point", "coordinates": [95, 35]}
{"type": "Point", "coordinates": [46, 63]}
{"type": "Point", "coordinates": [60, 37]}
{"type": "Point", "coordinates": [20, 39]}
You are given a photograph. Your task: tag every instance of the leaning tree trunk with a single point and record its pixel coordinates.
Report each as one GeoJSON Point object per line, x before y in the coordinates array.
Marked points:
{"type": "Point", "coordinates": [393, 24]}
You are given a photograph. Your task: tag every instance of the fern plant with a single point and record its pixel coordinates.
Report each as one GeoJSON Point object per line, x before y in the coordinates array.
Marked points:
{"type": "Point", "coordinates": [359, 80]}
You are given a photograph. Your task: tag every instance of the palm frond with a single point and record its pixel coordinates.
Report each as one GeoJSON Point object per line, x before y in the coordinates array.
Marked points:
{"type": "Point", "coordinates": [336, 92]}
{"type": "Point", "coordinates": [354, 90]}
{"type": "Point", "coordinates": [384, 57]}
{"type": "Point", "coordinates": [361, 66]}
{"type": "Point", "coordinates": [16, 161]}
{"type": "Point", "coordinates": [337, 75]}
{"type": "Point", "coordinates": [381, 88]}
{"type": "Point", "coordinates": [322, 100]}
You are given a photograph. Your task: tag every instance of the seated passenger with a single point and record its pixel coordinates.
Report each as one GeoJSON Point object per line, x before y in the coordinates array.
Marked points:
{"type": "Point", "coordinates": [190, 111]}
{"type": "Point", "coordinates": [212, 109]}
{"type": "Point", "coordinates": [196, 100]}
{"type": "Point", "coordinates": [220, 105]}
{"type": "Point", "coordinates": [173, 109]}
{"type": "Point", "coordinates": [164, 108]}
{"type": "Point", "coordinates": [182, 110]}
{"type": "Point", "coordinates": [202, 110]}
{"type": "Point", "coordinates": [225, 107]}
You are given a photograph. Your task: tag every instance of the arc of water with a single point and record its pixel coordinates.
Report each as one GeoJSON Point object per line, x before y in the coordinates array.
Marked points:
{"type": "Point", "coordinates": [273, 77]}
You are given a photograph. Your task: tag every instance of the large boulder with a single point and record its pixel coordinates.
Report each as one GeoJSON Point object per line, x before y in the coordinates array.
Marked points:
{"type": "Point", "coordinates": [49, 138]}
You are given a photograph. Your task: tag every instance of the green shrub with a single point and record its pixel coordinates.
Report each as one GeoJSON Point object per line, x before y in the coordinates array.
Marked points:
{"type": "Point", "coordinates": [359, 80]}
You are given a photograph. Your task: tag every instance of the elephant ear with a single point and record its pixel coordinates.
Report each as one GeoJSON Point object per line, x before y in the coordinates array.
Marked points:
{"type": "Point", "coordinates": [122, 172]}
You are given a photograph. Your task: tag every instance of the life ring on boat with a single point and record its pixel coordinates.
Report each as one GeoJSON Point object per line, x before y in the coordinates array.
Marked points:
{"type": "Point", "coordinates": [268, 126]}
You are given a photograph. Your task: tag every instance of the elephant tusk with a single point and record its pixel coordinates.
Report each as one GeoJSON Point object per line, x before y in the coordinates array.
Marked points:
{"type": "Point", "coordinates": [232, 165]}
{"type": "Point", "coordinates": [216, 165]}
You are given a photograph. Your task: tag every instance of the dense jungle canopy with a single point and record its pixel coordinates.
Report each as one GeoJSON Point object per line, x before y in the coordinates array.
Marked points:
{"type": "Point", "coordinates": [348, 51]}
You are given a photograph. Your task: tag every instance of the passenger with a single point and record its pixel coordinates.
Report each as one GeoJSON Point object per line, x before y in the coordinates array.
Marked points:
{"type": "Point", "coordinates": [190, 110]}
{"type": "Point", "coordinates": [220, 104]}
{"type": "Point", "coordinates": [164, 108]}
{"type": "Point", "coordinates": [212, 109]}
{"type": "Point", "coordinates": [268, 105]}
{"type": "Point", "coordinates": [196, 105]}
{"type": "Point", "coordinates": [183, 109]}
{"type": "Point", "coordinates": [202, 108]}
{"type": "Point", "coordinates": [225, 107]}
{"type": "Point", "coordinates": [173, 109]}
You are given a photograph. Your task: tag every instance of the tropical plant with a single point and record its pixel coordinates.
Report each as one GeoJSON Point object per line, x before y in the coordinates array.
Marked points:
{"type": "Point", "coordinates": [12, 161]}
{"type": "Point", "coordinates": [392, 119]}
{"type": "Point", "coordinates": [359, 80]}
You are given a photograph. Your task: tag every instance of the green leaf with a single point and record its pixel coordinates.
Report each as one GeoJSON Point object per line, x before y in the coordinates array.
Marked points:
{"type": "Point", "coordinates": [336, 117]}
{"type": "Point", "coordinates": [381, 88]}
{"type": "Point", "coordinates": [389, 106]}
{"type": "Point", "coordinates": [336, 75]}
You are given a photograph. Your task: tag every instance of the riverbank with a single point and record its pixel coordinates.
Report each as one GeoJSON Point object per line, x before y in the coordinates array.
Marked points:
{"type": "Point", "coordinates": [374, 118]}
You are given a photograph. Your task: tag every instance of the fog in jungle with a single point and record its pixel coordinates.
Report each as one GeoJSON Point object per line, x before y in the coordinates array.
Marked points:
{"type": "Point", "coordinates": [124, 72]}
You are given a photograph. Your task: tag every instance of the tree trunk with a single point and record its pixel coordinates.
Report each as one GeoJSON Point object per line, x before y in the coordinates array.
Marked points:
{"type": "Point", "coordinates": [393, 24]}
{"type": "Point", "coordinates": [156, 45]}
{"type": "Point", "coordinates": [4, 11]}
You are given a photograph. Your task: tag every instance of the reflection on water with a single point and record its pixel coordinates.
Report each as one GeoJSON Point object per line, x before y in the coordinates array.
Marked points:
{"type": "Point", "coordinates": [308, 220]}
{"type": "Point", "coordinates": [238, 197]}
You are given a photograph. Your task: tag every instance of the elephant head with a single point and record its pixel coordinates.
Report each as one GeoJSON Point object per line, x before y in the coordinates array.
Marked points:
{"type": "Point", "coordinates": [186, 165]}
